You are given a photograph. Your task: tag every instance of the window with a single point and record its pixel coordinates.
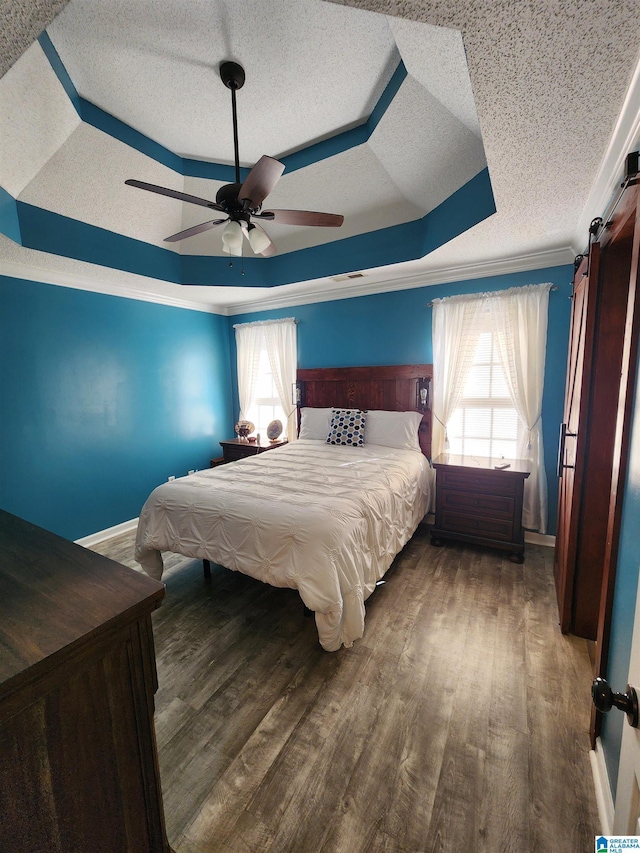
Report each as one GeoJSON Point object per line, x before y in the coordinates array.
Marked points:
{"type": "Point", "coordinates": [266, 405]}
{"type": "Point", "coordinates": [267, 357]}
{"type": "Point", "coordinates": [488, 364]}
{"type": "Point", "coordinates": [485, 422]}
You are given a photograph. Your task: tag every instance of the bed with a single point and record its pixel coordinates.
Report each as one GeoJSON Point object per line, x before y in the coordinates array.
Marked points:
{"type": "Point", "coordinates": [324, 519]}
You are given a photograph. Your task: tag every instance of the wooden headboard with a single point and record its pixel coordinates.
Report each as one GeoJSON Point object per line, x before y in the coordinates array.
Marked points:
{"type": "Point", "coordinates": [392, 389]}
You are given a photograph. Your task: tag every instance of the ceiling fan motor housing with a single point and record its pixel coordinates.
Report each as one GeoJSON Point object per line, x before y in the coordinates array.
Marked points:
{"type": "Point", "coordinates": [227, 196]}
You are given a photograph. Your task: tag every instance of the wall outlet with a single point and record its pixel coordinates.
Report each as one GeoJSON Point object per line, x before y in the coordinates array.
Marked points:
{"type": "Point", "coordinates": [171, 478]}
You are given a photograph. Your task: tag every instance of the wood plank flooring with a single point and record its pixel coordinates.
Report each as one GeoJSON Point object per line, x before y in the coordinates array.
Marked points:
{"type": "Point", "coordinates": [458, 723]}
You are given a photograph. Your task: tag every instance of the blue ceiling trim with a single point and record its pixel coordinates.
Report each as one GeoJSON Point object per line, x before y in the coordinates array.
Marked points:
{"type": "Point", "coordinates": [46, 231]}
{"type": "Point", "coordinates": [101, 120]}
{"type": "Point", "coordinates": [203, 270]}
{"type": "Point", "coordinates": [60, 235]}
{"type": "Point", "coordinates": [409, 241]}
{"type": "Point", "coordinates": [60, 71]}
{"type": "Point", "coordinates": [9, 221]}
{"type": "Point", "coordinates": [211, 171]}
{"type": "Point", "coordinates": [471, 204]}
{"type": "Point", "coordinates": [94, 116]}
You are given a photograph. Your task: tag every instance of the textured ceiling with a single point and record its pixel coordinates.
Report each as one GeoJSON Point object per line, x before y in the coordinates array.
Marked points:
{"type": "Point", "coordinates": [531, 90]}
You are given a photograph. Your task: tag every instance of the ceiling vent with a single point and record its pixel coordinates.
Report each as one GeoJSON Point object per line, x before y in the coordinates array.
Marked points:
{"type": "Point", "coordinates": [348, 276]}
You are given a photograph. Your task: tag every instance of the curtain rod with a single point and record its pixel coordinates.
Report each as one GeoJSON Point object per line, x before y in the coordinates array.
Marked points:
{"type": "Point", "coordinates": [430, 304]}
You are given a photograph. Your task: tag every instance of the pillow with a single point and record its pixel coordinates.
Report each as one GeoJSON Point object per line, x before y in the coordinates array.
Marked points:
{"type": "Point", "coordinates": [314, 423]}
{"type": "Point", "coordinates": [347, 427]}
{"type": "Point", "coordinates": [393, 429]}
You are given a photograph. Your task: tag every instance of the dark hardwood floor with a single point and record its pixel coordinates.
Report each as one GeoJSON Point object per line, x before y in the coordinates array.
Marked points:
{"type": "Point", "coordinates": [458, 723]}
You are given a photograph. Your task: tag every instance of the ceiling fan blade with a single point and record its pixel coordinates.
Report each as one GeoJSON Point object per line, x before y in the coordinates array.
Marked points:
{"type": "Point", "coordinates": [302, 217]}
{"type": "Point", "coordinates": [153, 188]}
{"type": "Point", "coordinates": [267, 250]}
{"type": "Point", "coordinates": [191, 232]}
{"type": "Point", "coordinates": [260, 181]}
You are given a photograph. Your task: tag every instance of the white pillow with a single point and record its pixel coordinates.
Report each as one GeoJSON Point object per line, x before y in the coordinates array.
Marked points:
{"type": "Point", "coordinates": [314, 423]}
{"type": "Point", "coordinates": [393, 429]}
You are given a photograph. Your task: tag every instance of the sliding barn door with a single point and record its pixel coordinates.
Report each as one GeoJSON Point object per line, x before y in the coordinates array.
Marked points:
{"type": "Point", "coordinates": [571, 450]}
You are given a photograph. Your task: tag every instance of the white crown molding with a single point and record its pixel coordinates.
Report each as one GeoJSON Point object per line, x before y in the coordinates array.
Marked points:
{"type": "Point", "coordinates": [94, 284]}
{"type": "Point", "coordinates": [320, 290]}
{"type": "Point", "coordinates": [623, 139]}
{"type": "Point", "coordinates": [324, 290]}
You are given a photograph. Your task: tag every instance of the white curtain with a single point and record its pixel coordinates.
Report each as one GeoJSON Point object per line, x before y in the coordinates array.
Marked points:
{"type": "Point", "coordinates": [279, 338]}
{"type": "Point", "coordinates": [519, 325]}
{"type": "Point", "coordinates": [519, 322]}
{"type": "Point", "coordinates": [455, 339]}
{"type": "Point", "coordinates": [282, 347]}
{"type": "Point", "coordinates": [249, 337]}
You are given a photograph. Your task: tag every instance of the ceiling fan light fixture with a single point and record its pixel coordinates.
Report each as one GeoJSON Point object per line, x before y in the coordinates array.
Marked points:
{"type": "Point", "coordinates": [258, 240]}
{"type": "Point", "coordinates": [232, 236]}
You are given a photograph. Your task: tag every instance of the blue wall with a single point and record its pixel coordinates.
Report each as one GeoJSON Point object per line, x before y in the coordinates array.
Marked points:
{"type": "Point", "coordinates": [626, 590]}
{"type": "Point", "coordinates": [395, 328]}
{"type": "Point", "coordinates": [105, 397]}
{"type": "Point", "coordinates": [102, 399]}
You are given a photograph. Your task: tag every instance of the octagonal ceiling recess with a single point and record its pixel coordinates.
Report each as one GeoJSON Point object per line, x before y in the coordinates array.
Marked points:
{"type": "Point", "coordinates": [326, 92]}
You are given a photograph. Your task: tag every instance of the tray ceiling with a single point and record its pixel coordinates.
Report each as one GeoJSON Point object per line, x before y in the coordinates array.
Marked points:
{"type": "Point", "coordinates": [494, 85]}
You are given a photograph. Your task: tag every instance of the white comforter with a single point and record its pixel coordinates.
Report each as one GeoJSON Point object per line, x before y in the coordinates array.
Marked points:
{"type": "Point", "coordinates": [324, 520]}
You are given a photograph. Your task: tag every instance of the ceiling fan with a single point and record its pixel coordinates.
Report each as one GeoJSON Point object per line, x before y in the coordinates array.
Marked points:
{"type": "Point", "coordinates": [242, 202]}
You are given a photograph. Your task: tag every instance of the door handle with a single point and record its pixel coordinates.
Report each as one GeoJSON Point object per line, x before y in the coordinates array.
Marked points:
{"type": "Point", "coordinates": [564, 433]}
{"type": "Point", "coordinates": [605, 699]}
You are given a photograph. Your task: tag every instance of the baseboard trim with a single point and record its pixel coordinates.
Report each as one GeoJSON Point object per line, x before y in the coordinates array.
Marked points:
{"type": "Point", "coordinates": [102, 535]}
{"type": "Point", "coordinates": [539, 539]}
{"type": "Point", "coordinates": [604, 799]}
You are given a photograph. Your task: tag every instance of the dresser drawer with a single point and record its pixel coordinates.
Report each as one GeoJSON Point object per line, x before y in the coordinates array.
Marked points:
{"type": "Point", "coordinates": [478, 504]}
{"type": "Point", "coordinates": [489, 528]}
{"type": "Point", "coordinates": [493, 482]}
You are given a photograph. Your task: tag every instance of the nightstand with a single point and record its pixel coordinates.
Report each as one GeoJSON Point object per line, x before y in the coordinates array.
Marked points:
{"type": "Point", "coordinates": [238, 448]}
{"type": "Point", "coordinates": [475, 502]}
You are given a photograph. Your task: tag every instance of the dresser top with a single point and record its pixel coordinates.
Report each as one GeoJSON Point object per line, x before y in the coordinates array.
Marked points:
{"type": "Point", "coordinates": [54, 594]}
{"type": "Point", "coordinates": [483, 463]}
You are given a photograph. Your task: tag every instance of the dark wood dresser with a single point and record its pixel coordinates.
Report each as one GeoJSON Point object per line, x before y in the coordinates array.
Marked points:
{"type": "Point", "coordinates": [475, 502]}
{"type": "Point", "coordinates": [78, 761]}
{"type": "Point", "coordinates": [238, 448]}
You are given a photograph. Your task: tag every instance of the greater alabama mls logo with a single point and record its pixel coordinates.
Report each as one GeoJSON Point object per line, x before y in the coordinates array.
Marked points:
{"type": "Point", "coordinates": [614, 843]}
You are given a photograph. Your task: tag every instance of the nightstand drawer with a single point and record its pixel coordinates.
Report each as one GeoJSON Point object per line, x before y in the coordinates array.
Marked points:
{"type": "Point", "coordinates": [489, 528]}
{"type": "Point", "coordinates": [496, 506]}
{"type": "Point", "coordinates": [231, 454]}
{"type": "Point", "coordinates": [237, 448]}
{"type": "Point", "coordinates": [493, 482]}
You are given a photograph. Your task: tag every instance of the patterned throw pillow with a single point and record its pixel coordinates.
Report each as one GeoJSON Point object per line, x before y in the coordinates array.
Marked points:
{"type": "Point", "coordinates": [347, 427]}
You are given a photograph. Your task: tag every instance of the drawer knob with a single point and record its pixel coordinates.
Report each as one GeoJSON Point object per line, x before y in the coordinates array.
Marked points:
{"type": "Point", "coordinates": [475, 503]}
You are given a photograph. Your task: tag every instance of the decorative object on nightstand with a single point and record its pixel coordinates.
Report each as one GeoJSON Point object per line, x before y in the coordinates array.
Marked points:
{"type": "Point", "coordinates": [274, 430]}
{"type": "Point", "coordinates": [244, 428]}
{"type": "Point", "coordinates": [479, 500]}
{"type": "Point", "coordinates": [238, 448]}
